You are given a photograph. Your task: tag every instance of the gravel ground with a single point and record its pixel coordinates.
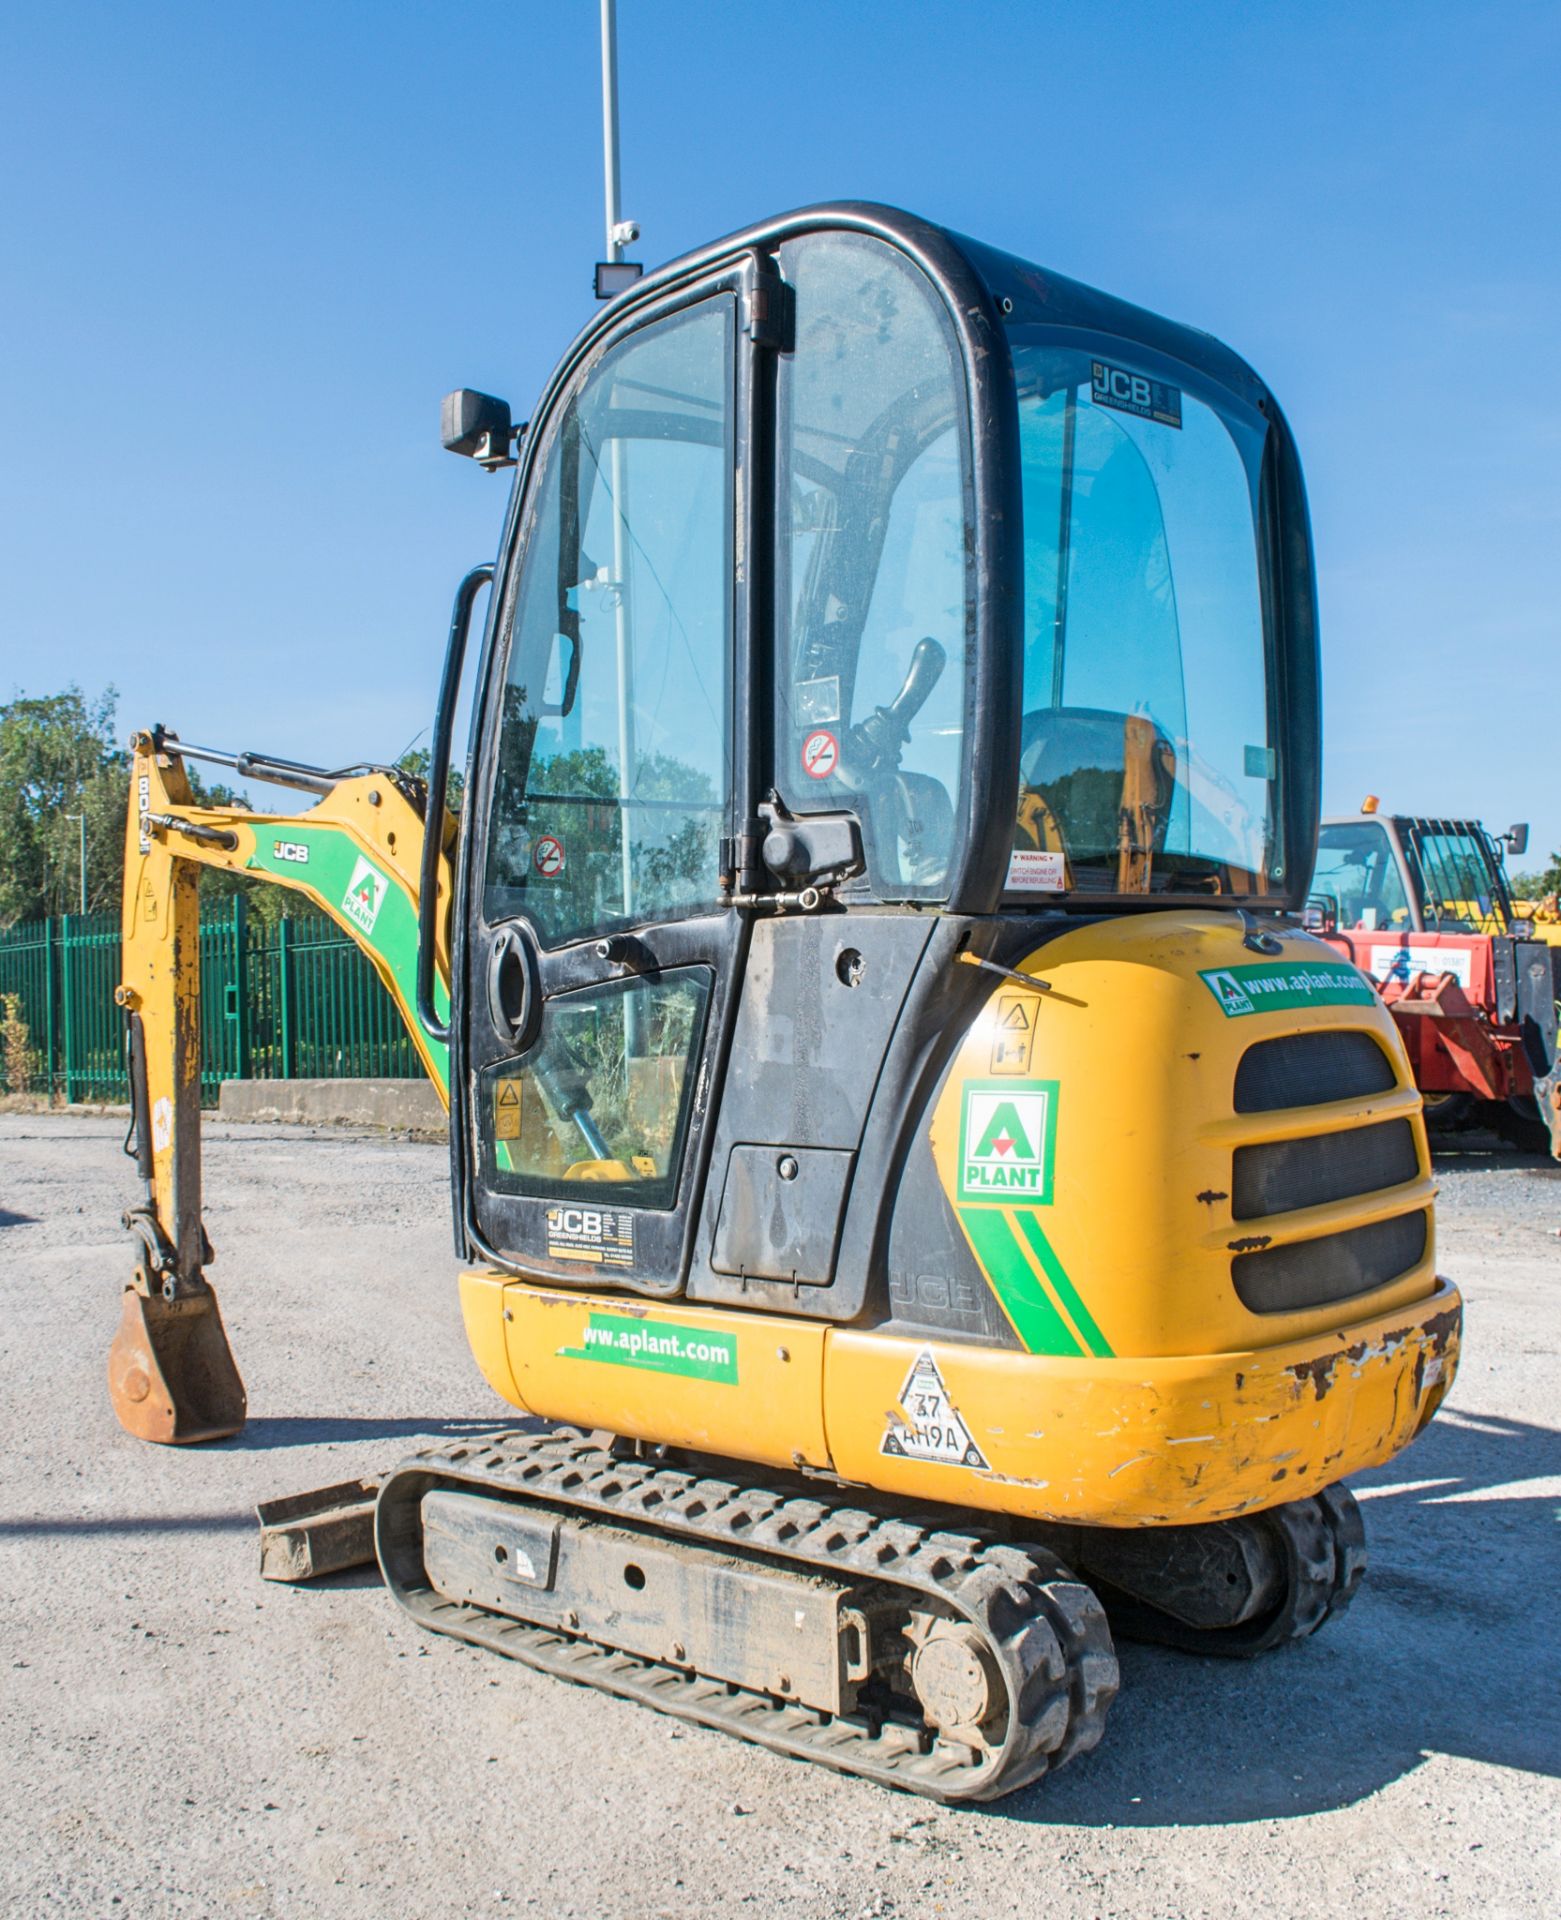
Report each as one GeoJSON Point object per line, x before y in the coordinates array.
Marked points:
{"type": "Point", "coordinates": [177, 1738]}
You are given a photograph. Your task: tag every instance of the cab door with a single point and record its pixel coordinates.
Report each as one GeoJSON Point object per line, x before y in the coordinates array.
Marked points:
{"type": "Point", "coordinates": [598, 963]}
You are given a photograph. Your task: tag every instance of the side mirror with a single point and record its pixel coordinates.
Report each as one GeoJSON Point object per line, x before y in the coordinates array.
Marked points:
{"type": "Point", "coordinates": [1515, 839]}
{"type": "Point", "coordinates": [477, 425]}
{"type": "Point", "coordinates": [1320, 914]}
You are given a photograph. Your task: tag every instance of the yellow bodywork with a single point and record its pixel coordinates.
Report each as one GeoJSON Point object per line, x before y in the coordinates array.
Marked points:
{"type": "Point", "coordinates": [1141, 1391]}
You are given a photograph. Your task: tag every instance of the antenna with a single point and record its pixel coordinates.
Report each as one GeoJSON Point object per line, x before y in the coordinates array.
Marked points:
{"type": "Point", "coordinates": [614, 274]}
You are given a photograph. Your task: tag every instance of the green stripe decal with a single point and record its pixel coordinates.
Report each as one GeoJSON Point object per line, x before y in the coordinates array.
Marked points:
{"type": "Point", "coordinates": [1052, 1267]}
{"type": "Point", "coordinates": [1026, 1302]}
{"type": "Point", "coordinates": [363, 898]}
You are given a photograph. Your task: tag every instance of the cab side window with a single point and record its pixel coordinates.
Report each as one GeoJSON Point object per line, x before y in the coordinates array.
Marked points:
{"type": "Point", "coordinates": [873, 590]}
{"type": "Point", "coordinates": [613, 774]}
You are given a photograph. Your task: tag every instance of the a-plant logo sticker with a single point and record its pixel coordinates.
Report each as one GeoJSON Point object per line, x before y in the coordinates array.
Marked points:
{"type": "Point", "coordinates": [1230, 993]}
{"type": "Point", "coordinates": [365, 895]}
{"type": "Point", "coordinates": [1007, 1138]}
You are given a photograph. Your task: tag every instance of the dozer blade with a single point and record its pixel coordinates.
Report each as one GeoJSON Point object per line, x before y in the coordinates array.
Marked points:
{"type": "Point", "coordinates": [171, 1375]}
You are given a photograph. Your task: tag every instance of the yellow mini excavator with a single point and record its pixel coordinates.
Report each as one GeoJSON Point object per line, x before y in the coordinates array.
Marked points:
{"type": "Point", "coordinates": [905, 1147]}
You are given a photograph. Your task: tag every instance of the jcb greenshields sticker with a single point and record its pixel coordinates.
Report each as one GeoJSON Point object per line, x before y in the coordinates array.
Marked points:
{"type": "Point", "coordinates": [1007, 1133]}
{"type": "Point", "coordinates": [657, 1346]}
{"type": "Point", "coordinates": [1274, 986]}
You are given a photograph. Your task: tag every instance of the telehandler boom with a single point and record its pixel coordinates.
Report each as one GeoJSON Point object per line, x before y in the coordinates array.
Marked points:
{"type": "Point", "coordinates": [896, 1112]}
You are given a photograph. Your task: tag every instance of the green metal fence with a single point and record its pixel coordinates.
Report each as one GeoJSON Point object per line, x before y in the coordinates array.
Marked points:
{"type": "Point", "coordinates": [291, 1000]}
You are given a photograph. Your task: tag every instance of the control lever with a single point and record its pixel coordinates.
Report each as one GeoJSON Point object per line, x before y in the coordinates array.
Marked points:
{"type": "Point", "coordinates": [873, 746]}
{"type": "Point", "coordinates": [565, 1091]}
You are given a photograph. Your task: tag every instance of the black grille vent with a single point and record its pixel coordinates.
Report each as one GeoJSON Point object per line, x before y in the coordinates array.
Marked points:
{"type": "Point", "coordinates": [1281, 1175]}
{"type": "Point", "coordinates": [1307, 1069]}
{"type": "Point", "coordinates": [1311, 1273]}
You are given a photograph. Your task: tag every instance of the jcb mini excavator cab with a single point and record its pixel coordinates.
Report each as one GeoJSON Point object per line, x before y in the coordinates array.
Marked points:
{"type": "Point", "coordinates": [891, 1094]}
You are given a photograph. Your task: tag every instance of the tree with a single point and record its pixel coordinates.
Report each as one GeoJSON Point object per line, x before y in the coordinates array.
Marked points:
{"type": "Point", "coordinates": [59, 760]}
{"type": "Point", "coordinates": [1536, 886]}
{"type": "Point", "coordinates": [416, 761]}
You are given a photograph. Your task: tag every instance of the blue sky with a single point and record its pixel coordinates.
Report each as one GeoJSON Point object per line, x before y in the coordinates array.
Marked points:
{"type": "Point", "coordinates": [244, 250]}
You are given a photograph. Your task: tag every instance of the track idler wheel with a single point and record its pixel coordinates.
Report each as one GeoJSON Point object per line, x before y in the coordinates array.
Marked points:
{"type": "Point", "coordinates": [171, 1373]}
{"type": "Point", "coordinates": [955, 1680]}
{"type": "Point", "coordinates": [1234, 1588]}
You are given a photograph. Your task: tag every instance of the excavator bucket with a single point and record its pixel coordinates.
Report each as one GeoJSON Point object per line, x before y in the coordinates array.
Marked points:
{"type": "Point", "coordinates": [171, 1374]}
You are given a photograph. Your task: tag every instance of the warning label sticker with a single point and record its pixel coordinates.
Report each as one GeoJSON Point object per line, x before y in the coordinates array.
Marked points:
{"type": "Point", "coordinates": [1036, 869]}
{"type": "Point", "coordinates": [506, 1111]}
{"type": "Point", "coordinates": [1007, 1134]}
{"type": "Point", "coordinates": [927, 1424]}
{"type": "Point", "coordinates": [601, 1236]}
{"type": "Point", "coordinates": [820, 754]}
{"type": "Point", "coordinates": [548, 859]}
{"type": "Point", "coordinates": [1013, 1037]}
{"type": "Point", "coordinates": [365, 894]}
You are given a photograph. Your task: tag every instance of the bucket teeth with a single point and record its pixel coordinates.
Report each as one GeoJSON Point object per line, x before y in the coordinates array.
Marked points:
{"type": "Point", "coordinates": [171, 1375]}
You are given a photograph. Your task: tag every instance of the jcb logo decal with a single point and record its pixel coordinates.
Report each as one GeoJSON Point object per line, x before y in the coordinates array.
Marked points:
{"type": "Point", "coordinates": [575, 1220]}
{"type": "Point", "coordinates": [290, 850]}
{"type": "Point", "coordinates": [1131, 392]}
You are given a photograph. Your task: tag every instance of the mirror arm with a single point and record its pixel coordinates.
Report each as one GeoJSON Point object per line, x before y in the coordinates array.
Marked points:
{"type": "Point", "coordinates": [438, 781]}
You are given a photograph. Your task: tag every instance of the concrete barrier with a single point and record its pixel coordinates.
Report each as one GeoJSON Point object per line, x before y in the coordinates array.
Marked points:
{"type": "Point", "coordinates": [410, 1105]}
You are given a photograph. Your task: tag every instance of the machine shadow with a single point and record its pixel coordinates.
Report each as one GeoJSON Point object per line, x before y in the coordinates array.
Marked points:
{"type": "Point", "coordinates": [1448, 1648]}
{"type": "Point", "coordinates": [125, 1525]}
{"type": "Point", "coordinates": [10, 1219]}
{"type": "Point", "coordinates": [310, 1430]}
{"type": "Point", "coordinates": [1480, 1151]}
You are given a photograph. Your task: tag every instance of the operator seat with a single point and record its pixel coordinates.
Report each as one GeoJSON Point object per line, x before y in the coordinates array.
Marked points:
{"type": "Point", "coordinates": [1075, 758]}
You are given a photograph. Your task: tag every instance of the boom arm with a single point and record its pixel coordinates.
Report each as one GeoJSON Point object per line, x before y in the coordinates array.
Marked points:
{"type": "Point", "coordinates": [357, 853]}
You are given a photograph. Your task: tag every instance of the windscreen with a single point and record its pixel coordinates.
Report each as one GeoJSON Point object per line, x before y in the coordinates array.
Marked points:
{"type": "Point", "coordinates": [1462, 887]}
{"type": "Point", "coordinates": [1148, 753]}
{"type": "Point", "coordinates": [1356, 884]}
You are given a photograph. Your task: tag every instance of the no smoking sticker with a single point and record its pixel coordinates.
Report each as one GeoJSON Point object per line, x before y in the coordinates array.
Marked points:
{"type": "Point", "coordinates": [820, 754]}
{"type": "Point", "coordinates": [549, 857]}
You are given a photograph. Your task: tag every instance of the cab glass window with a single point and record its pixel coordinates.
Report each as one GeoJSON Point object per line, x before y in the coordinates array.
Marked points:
{"type": "Point", "coordinates": [1149, 759]}
{"type": "Point", "coordinates": [613, 769]}
{"type": "Point", "coordinates": [873, 613]}
{"type": "Point", "coordinates": [599, 1108]}
{"type": "Point", "coordinates": [1356, 882]}
{"type": "Point", "coordinates": [1461, 887]}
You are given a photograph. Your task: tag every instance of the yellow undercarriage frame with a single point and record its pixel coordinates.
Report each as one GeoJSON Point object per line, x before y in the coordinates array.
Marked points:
{"type": "Point", "coordinates": [1086, 1139]}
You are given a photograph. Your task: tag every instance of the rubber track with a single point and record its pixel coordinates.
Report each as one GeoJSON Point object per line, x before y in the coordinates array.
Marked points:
{"type": "Point", "coordinates": [1323, 1541]}
{"type": "Point", "coordinates": [1046, 1629]}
